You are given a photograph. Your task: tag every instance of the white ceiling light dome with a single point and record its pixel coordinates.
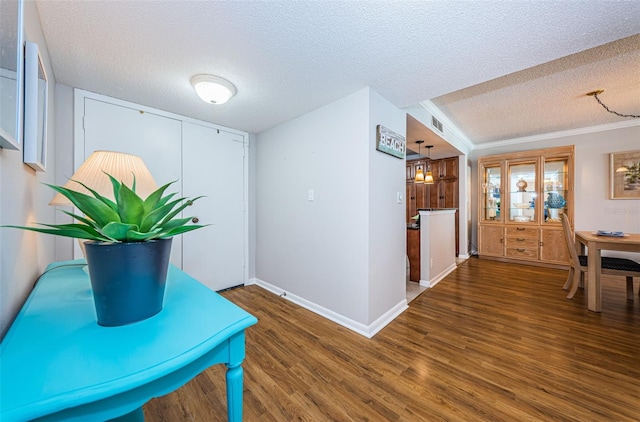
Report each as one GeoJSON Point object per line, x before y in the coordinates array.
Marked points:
{"type": "Point", "coordinates": [213, 89]}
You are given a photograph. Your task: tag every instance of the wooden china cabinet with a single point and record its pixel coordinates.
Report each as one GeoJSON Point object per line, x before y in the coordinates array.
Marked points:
{"type": "Point", "coordinates": [521, 199]}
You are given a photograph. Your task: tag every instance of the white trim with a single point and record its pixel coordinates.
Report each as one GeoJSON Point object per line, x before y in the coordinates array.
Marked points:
{"type": "Point", "coordinates": [365, 330]}
{"type": "Point", "coordinates": [560, 134]}
{"type": "Point", "coordinates": [436, 279]}
{"type": "Point", "coordinates": [448, 124]}
{"type": "Point", "coordinates": [79, 93]}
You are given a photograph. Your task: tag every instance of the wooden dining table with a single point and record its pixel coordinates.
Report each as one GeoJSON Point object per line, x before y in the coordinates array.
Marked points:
{"type": "Point", "coordinates": [595, 244]}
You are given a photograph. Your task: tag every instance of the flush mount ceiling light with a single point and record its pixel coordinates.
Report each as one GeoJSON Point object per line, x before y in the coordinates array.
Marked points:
{"type": "Point", "coordinates": [600, 91]}
{"type": "Point", "coordinates": [213, 89]}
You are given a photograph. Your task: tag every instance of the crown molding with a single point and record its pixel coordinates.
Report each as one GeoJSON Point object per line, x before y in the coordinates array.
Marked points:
{"type": "Point", "coordinates": [559, 134]}
{"type": "Point", "coordinates": [453, 129]}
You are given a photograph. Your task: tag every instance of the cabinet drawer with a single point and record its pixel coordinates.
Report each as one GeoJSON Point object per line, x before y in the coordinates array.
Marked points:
{"type": "Point", "coordinates": [521, 253]}
{"type": "Point", "coordinates": [522, 242]}
{"type": "Point", "coordinates": [519, 231]}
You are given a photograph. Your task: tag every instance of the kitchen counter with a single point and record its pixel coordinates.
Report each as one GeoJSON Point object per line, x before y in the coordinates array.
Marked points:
{"type": "Point", "coordinates": [437, 245]}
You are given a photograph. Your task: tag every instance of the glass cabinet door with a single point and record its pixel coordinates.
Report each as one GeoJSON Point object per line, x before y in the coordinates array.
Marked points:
{"type": "Point", "coordinates": [555, 187]}
{"type": "Point", "coordinates": [522, 192]}
{"type": "Point", "coordinates": [491, 192]}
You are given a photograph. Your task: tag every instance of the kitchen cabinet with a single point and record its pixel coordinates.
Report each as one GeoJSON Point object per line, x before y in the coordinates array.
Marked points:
{"type": "Point", "coordinates": [443, 193]}
{"type": "Point", "coordinates": [522, 197]}
{"type": "Point", "coordinates": [446, 168]}
{"type": "Point", "coordinates": [413, 253]}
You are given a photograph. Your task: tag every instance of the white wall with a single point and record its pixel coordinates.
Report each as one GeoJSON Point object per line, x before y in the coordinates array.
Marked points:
{"type": "Point", "coordinates": [319, 251]}
{"type": "Point", "coordinates": [593, 208]}
{"type": "Point", "coordinates": [316, 249]}
{"type": "Point", "coordinates": [387, 227]}
{"type": "Point", "coordinates": [23, 200]}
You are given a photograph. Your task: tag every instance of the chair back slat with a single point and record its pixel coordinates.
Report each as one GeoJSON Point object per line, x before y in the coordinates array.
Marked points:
{"type": "Point", "coordinates": [569, 239]}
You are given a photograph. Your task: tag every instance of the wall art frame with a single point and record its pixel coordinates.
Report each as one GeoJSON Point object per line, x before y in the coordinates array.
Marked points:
{"type": "Point", "coordinates": [35, 108]}
{"type": "Point", "coordinates": [624, 174]}
{"type": "Point", "coordinates": [11, 74]}
{"type": "Point", "coordinates": [390, 142]}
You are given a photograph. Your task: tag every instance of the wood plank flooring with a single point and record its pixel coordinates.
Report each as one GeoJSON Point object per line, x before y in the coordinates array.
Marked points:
{"type": "Point", "coordinates": [491, 342]}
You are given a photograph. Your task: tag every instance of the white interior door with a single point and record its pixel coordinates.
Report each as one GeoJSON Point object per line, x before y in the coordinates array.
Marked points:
{"type": "Point", "coordinates": [214, 166]}
{"type": "Point", "coordinates": [156, 139]}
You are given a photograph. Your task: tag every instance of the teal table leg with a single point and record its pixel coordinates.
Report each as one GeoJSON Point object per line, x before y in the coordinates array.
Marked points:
{"type": "Point", "coordinates": [234, 392]}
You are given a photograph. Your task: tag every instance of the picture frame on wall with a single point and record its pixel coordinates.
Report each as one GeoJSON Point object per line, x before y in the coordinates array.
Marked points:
{"type": "Point", "coordinates": [11, 74]}
{"type": "Point", "coordinates": [35, 109]}
{"type": "Point", "coordinates": [624, 174]}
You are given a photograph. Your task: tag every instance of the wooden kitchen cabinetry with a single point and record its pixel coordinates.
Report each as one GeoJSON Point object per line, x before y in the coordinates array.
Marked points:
{"type": "Point", "coordinates": [413, 253]}
{"type": "Point", "coordinates": [443, 193]}
{"type": "Point", "coordinates": [522, 197]}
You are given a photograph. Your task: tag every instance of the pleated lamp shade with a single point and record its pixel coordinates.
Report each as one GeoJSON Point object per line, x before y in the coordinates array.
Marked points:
{"type": "Point", "coordinates": [428, 178]}
{"type": "Point", "coordinates": [119, 165]}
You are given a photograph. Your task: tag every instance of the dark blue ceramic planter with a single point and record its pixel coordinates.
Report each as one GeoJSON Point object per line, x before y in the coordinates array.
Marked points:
{"type": "Point", "coordinates": [128, 279]}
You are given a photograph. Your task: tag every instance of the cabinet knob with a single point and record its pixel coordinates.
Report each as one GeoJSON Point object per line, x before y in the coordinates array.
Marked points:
{"type": "Point", "coordinates": [195, 220]}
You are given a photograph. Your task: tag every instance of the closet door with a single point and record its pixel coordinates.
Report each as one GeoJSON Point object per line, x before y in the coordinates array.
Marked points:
{"type": "Point", "coordinates": [124, 128]}
{"type": "Point", "coordinates": [214, 166]}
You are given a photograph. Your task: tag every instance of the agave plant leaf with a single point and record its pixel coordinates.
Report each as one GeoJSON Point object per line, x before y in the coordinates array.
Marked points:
{"type": "Point", "coordinates": [107, 201]}
{"type": "Point", "coordinates": [118, 231]}
{"type": "Point", "coordinates": [82, 219]}
{"type": "Point", "coordinates": [178, 210]}
{"type": "Point", "coordinates": [140, 237]}
{"type": "Point", "coordinates": [77, 231]}
{"type": "Point", "coordinates": [95, 209]}
{"type": "Point", "coordinates": [163, 201]}
{"type": "Point", "coordinates": [129, 219]}
{"type": "Point", "coordinates": [130, 206]}
{"type": "Point", "coordinates": [175, 223]}
{"type": "Point", "coordinates": [152, 219]}
{"type": "Point", "coordinates": [182, 229]}
{"type": "Point", "coordinates": [153, 200]}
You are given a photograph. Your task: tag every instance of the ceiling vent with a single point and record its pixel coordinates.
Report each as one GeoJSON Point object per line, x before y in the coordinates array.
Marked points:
{"type": "Point", "coordinates": [437, 124]}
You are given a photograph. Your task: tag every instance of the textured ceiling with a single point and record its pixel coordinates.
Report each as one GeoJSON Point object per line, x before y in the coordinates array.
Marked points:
{"type": "Point", "coordinates": [550, 97]}
{"type": "Point", "coordinates": [289, 57]}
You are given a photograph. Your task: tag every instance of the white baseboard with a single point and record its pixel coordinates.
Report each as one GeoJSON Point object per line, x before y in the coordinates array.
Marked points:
{"type": "Point", "coordinates": [436, 279]}
{"type": "Point", "coordinates": [362, 329]}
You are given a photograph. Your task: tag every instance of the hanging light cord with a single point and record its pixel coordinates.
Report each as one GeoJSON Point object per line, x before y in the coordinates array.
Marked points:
{"type": "Point", "coordinates": [595, 94]}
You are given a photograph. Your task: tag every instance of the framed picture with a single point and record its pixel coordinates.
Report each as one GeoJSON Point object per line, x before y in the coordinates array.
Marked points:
{"type": "Point", "coordinates": [390, 142]}
{"type": "Point", "coordinates": [624, 174]}
{"type": "Point", "coordinates": [35, 109]}
{"type": "Point", "coordinates": [11, 74]}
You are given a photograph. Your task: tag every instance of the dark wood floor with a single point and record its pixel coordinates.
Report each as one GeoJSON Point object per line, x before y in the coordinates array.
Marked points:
{"type": "Point", "coordinates": [491, 342]}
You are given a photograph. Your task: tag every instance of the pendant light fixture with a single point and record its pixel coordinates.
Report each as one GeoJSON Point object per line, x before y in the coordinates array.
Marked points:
{"type": "Point", "coordinates": [428, 178]}
{"type": "Point", "coordinates": [419, 172]}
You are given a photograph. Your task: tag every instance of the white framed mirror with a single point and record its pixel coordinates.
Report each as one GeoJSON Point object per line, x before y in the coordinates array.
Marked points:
{"type": "Point", "coordinates": [11, 74]}
{"type": "Point", "coordinates": [35, 108]}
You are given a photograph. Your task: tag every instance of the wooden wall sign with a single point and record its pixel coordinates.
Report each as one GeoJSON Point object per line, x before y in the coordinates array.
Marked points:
{"type": "Point", "coordinates": [390, 142]}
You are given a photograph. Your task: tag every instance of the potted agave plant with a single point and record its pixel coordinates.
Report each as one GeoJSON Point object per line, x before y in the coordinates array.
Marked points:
{"type": "Point", "coordinates": [128, 246]}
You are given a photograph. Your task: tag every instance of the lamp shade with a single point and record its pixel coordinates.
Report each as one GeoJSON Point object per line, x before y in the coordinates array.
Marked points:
{"type": "Point", "coordinates": [419, 175]}
{"type": "Point", "coordinates": [213, 89]}
{"type": "Point", "coordinates": [121, 166]}
{"type": "Point", "coordinates": [428, 178]}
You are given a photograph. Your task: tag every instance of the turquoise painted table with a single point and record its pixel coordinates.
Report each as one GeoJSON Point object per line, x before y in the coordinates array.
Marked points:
{"type": "Point", "coordinates": [57, 363]}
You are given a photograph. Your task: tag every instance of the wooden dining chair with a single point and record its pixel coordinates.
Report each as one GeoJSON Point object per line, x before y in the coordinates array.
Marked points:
{"type": "Point", "coordinates": [609, 265]}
